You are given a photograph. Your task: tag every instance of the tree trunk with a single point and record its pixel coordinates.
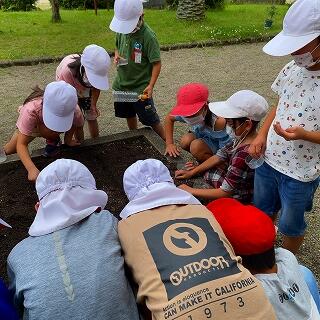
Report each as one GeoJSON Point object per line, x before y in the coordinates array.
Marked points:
{"type": "Point", "coordinates": [191, 9]}
{"type": "Point", "coordinates": [95, 5]}
{"type": "Point", "coordinates": [55, 11]}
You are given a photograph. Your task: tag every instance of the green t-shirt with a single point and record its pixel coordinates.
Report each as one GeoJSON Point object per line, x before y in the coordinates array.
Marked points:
{"type": "Point", "coordinates": [142, 50]}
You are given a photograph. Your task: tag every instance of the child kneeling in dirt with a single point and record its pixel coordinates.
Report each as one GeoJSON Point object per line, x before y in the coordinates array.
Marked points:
{"type": "Point", "coordinates": [46, 114]}
{"type": "Point", "coordinates": [179, 257]}
{"type": "Point", "coordinates": [70, 267]}
{"type": "Point", "coordinates": [227, 171]}
{"type": "Point", "coordinates": [252, 234]}
{"type": "Point", "coordinates": [208, 132]}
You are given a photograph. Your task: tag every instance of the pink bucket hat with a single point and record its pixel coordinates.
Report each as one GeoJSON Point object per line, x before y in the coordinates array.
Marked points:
{"type": "Point", "coordinates": [190, 99]}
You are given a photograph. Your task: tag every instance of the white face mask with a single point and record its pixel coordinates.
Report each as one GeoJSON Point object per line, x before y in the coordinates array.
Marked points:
{"type": "Point", "coordinates": [193, 121]}
{"type": "Point", "coordinates": [305, 60]}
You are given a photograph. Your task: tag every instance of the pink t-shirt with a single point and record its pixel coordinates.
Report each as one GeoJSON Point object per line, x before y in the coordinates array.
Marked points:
{"type": "Point", "coordinates": [30, 117]}
{"type": "Point", "coordinates": [64, 73]}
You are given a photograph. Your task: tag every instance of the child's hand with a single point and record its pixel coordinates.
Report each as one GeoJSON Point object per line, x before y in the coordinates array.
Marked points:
{"type": "Point", "coordinates": [33, 174]}
{"type": "Point", "coordinates": [183, 174]}
{"type": "Point", "coordinates": [190, 165]}
{"type": "Point", "coordinates": [257, 147]}
{"type": "Point", "coordinates": [116, 58]}
{"type": "Point", "coordinates": [148, 90]}
{"type": "Point", "coordinates": [185, 188]}
{"type": "Point", "coordinates": [172, 150]}
{"type": "Point", "coordinates": [294, 133]}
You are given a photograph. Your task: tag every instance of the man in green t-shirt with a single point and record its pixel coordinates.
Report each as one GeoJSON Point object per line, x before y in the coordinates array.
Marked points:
{"type": "Point", "coordinates": [137, 56]}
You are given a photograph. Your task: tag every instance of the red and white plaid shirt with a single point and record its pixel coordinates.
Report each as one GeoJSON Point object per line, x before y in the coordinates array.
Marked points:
{"type": "Point", "coordinates": [234, 176]}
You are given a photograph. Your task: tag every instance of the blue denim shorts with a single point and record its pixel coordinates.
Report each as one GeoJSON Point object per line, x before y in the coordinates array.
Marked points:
{"type": "Point", "coordinates": [275, 191]}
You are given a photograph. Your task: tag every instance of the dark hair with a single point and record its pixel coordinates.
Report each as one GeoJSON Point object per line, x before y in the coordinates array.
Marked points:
{"type": "Point", "coordinates": [78, 70]}
{"type": "Point", "coordinates": [260, 262]}
{"type": "Point", "coordinates": [208, 121]}
{"type": "Point", "coordinates": [244, 119]}
{"type": "Point", "coordinates": [37, 92]}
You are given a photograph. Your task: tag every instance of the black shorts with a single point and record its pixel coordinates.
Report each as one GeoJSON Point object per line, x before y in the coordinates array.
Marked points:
{"type": "Point", "coordinates": [145, 110]}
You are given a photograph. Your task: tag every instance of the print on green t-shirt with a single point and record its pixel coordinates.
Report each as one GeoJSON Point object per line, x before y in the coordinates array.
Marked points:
{"type": "Point", "coordinates": [136, 75]}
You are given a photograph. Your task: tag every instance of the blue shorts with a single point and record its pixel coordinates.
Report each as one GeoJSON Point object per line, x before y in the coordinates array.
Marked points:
{"type": "Point", "coordinates": [274, 191]}
{"type": "Point", "coordinates": [145, 110]}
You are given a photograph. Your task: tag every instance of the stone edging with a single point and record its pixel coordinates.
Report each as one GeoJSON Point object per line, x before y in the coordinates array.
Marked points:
{"type": "Point", "coordinates": [199, 44]}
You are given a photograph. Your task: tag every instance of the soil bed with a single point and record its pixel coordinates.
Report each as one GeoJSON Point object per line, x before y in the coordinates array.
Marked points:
{"type": "Point", "coordinates": [107, 162]}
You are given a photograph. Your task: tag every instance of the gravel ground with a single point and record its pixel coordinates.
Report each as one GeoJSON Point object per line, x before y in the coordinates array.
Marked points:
{"type": "Point", "coordinates": [224, 69]}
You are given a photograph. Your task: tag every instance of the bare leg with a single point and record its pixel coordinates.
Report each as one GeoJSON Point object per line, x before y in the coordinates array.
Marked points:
{"type": "Point", "coordinates": [186, 140]}
{"type": "Point", "coordinates": [11, 146]}
{"type": "Point", "coordinates": [292, 243]}
{"type": "Point", "coordinates": [132, 123]}
{"type": "Point", "coordinates": [93, 128]}
{"type": "Point", "coordinates": [158, 128]}
{"type": "Point", "coordinates": [79, 134]}
{"type": "Point", "coordinates": [200, 150]}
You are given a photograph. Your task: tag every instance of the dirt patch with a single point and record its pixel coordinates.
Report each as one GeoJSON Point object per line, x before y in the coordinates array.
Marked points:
{"type": "Point", "coordinates": [107, 162]}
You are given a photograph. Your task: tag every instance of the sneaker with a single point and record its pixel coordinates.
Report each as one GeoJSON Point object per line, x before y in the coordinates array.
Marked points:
{"type": "Point", "coordinates": [52, 149]}
{"type": "Point", "coordinates": [3, 156]}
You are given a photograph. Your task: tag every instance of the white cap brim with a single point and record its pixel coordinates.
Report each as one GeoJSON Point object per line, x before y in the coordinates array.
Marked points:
{"type": "Point", "coordinates": [97, 81]}
{"type": "Point", "coordinates": [224, 110]}
{"type": "Point", "coordinates": [4, 223]}
{"type": "Point", "coordinates": [282, 44]}
{"type": "Point", "coordinates": [123, 26]}
{"type": "Point", "coordinates": [56, 123]}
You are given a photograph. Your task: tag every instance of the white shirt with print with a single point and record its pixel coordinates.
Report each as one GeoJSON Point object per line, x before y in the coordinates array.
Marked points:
{"type": "Point", "coordinates": [299, 105]}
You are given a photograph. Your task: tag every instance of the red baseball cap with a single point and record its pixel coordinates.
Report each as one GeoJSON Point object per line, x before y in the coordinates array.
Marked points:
{"type": "Point", "coordinates": [190, 99]}
{"type": "Point", "coordinates": [249, 230]}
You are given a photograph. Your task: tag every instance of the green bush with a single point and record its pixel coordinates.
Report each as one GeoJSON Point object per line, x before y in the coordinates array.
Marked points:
{"type": "Point", "coordinates": [81, 4]}
{"type": "Point", "coordinates": [212, 4]}
{"type": "Point", "coordinates": [18, 5]}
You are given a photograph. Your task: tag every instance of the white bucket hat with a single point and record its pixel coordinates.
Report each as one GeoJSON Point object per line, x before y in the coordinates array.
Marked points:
{"type": "Point", "coordinates": [96, 62]}
{"type": "Point", "coordinates": [148, 185]}
{"type": "Point", "coordinates": [67, 194]}
{"type": "Point", "coordinates": [126, 15]}
{"type": "Point", "coordinates": [59, 104]}
{"type": "Point", "coordinates": [242, 104]}
{"type": "Point", "coordinates": [301, 25]}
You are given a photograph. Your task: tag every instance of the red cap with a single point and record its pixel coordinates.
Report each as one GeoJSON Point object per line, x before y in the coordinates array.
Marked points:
{"type": "Point", "coordinates": [249, 230]}
{"type": "Point", "coordinates": [190, 99]}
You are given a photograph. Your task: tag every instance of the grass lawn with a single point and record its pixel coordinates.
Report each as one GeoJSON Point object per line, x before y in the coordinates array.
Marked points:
{"type": "Point", "coordinates": [31, 34]}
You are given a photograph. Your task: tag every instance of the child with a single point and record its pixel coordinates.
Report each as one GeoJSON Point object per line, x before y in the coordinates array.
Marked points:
{"type": "Point", "coordinates": [137, 45]}
{"type": "Point", "coordinates": [227, 171]}
{"type": "Point", "coordinates": [252, 235]}
{"type": "Point", "coordinates": [182, 263]}
{"type": "Point", "coordinates": [88, 73]}
{"type": "Point", "coordinates": [208, 132]}
{"type": "Point", "coordinates": [290, 136]}
{"type": "Point", "coordinates": [70, 267]}
{"type": "Point", "coordinates": [46, 114]}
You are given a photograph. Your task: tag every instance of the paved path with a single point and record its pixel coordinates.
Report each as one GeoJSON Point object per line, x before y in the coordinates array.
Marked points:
{"type": "Point", "coordinates": [225, 70]}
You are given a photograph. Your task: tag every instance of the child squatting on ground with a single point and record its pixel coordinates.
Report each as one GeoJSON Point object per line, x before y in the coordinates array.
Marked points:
{"type": "Point", "coordinates": [180, 259]}
{"type": "Point", "coordinates": [88, 74]}
{"type": "Point", "coordinates": [290, 287]}
{"type": "Point", "coordinates": [137, 57]}
{"type": "Point", "coordinates": [227, 171]}
{"type": "Point", "coordinates": [290, 136]}
{"type": "Point", "coordinates": [45, 114]}
{"type": "Point", "coordinates": [208, 132]}
{"type": "Point", "coordinates": [70, 266]}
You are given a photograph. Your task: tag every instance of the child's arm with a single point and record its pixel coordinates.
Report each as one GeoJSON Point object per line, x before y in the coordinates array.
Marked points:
{"type": "Point", "coordinates": [171, 149]}
{"type": "Point", "coordinates": [23, 152]}
{"type": "Point", "coordinates": [258, 146]}
{"type": "Point", "coordinates": [220, 124]}
{"type": "Point", "coordinates": [297, 133]}
{"type": "Point", "coordinates": [203, 167]}
{"type": "Point", "coordinates": [94, 99]}
{"type": "Point", "coordinates": [156, 68]}
{"type": "Point", "coordinates": [209, 194]}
